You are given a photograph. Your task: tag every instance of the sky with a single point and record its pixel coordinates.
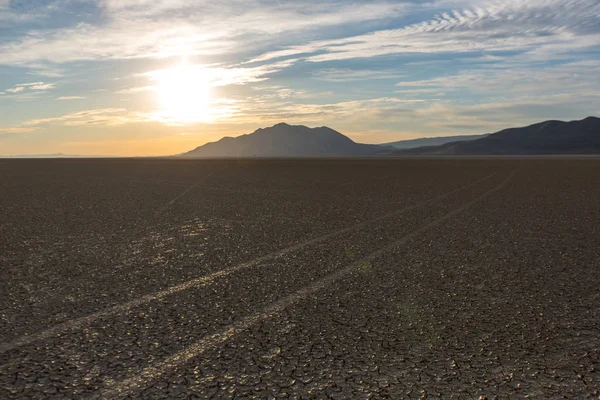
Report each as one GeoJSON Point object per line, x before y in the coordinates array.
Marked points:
{"type": "Point", "coordinates": [157, 77]}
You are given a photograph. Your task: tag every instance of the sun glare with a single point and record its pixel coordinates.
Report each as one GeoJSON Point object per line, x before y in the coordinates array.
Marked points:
{"type": "Point", "coordinates": [184, 94]}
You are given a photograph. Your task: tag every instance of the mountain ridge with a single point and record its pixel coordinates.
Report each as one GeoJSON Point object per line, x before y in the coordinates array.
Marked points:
{"type": "Point", "coordinates": [552, 137]}
{"type": "Point", "coordinates": [284, 140]}
{"type": "Point", "coordinates": [430, 141]}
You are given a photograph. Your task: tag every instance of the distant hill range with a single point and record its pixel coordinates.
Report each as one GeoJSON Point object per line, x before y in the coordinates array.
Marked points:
{"type": "Point", "coordinates": [431, 141]}
{"type": "Point", "coordinates": [283, 140]}
{"type": "Point", "coordinates": [53, 155]}
{"type": "Point", "coordinates": [544, 138]}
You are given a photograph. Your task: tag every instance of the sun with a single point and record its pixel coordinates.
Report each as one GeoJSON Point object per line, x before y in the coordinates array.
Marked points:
{"type": "Point", "coordinates": [184, 94]}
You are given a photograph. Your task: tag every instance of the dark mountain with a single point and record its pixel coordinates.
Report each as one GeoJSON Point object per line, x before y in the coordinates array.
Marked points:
{"type": "Point", "coordinates": [550, 137]}
{"type": "Point", "coordinates": [430, 141]}
{"type": "Point", "coordinates": [283, 140]}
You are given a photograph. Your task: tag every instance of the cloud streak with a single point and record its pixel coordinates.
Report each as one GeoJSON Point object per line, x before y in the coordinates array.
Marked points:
{"type": "Point", "coordinates": [184, 28]}
{"type": "Point", "coordinates": [219, 76]}
{"type": "Point", "coordinates": [349, 75]}
{"type": "Point", "coordinates": [16, 130]}
{"type": "Point", "coordinates": [518, 80]}
{"type": "Point", "coordinates": [34, 86]}
{"type": "Point", "coordinates": [491, 26]}
{"type": "Point", "coordinates": [104, 116]}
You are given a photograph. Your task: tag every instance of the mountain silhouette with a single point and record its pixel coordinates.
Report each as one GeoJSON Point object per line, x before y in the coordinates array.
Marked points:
{"type": "Point", "coordinates": [283, 140]}
{"type": "Point", "coordinates": [549, 137]}
{"type": "Point", "coordinates": [430, 141]}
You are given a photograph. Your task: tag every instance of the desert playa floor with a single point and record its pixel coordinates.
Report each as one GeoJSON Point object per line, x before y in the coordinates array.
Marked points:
{"type": "Point", "coordinates": [343, 279]}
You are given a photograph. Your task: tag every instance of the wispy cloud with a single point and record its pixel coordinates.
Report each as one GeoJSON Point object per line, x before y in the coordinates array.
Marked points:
{"type": "Point", "coordinates": [211, 76]}
{"type": "Point", "coordinates": [104, 116]}
{"type": "Point", "coordinates": [26, 91]}
{"type": "Point", "coordinates": [16, 89]}
{"type": "Point", "coordinates": [350, 75]}
{"type": "Point", "coordinates": [45, 70]}
{"type": "Point", "coordinates": [268, 109]}
{"type": "Point", "coordinates": [139, 89]}
{"type": "Point", "coordinates": [502, 114]}
{"type": "Point", "coordinates": [34, 86]}
{"type": "Point", "coordinates": [216, 75]}
{"type": "Point", "coordinates": [512, 25]}
{"type": "Point", "coordinates": [518, 80]}
{"type": "Point", "coordinates": [184, 28]}
{"type": "Point", "coordinates": [12, 12]}
{"type": "Point", "coordinates": [71, 98]}
{"type": "Point", "coordinates": [16, 130]}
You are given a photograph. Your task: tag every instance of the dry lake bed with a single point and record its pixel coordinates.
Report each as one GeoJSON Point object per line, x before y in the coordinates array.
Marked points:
{"type": "Point", "coordinates": [344, 279]}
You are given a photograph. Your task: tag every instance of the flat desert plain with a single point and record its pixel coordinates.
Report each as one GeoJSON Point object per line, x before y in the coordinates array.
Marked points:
{"type": "Point", "coordinates": [343, 279]}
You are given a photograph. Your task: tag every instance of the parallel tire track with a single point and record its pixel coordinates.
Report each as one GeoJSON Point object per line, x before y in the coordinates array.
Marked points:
{"type": "Point", "coordinates": [149, 374]}
{"type": "Point", "coordinates": [81, 322]}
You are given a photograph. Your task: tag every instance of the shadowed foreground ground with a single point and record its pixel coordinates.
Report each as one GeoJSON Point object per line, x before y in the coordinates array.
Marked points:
{"type": "Point", "coordinates": [302, 279]}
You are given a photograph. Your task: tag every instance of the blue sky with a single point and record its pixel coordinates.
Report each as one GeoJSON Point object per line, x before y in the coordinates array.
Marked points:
{"type": "Point", "coordinates": [151, 77]}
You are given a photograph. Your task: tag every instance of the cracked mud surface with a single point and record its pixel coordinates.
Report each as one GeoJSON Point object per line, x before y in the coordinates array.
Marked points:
{"type": "Point", "coordinates": [488, 283]}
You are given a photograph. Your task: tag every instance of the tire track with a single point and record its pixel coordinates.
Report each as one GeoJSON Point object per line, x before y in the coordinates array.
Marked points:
{"type": "Point", "coordinates": [186, 191]}
{"type": "Point", "coordinates": [81, 322]}
{"type": "Point", "coordinates": [149, 374]}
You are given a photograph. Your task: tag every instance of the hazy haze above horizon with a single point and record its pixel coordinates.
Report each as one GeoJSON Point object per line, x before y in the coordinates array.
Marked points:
{"type": "Point", "coordinates": [155, 77]}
